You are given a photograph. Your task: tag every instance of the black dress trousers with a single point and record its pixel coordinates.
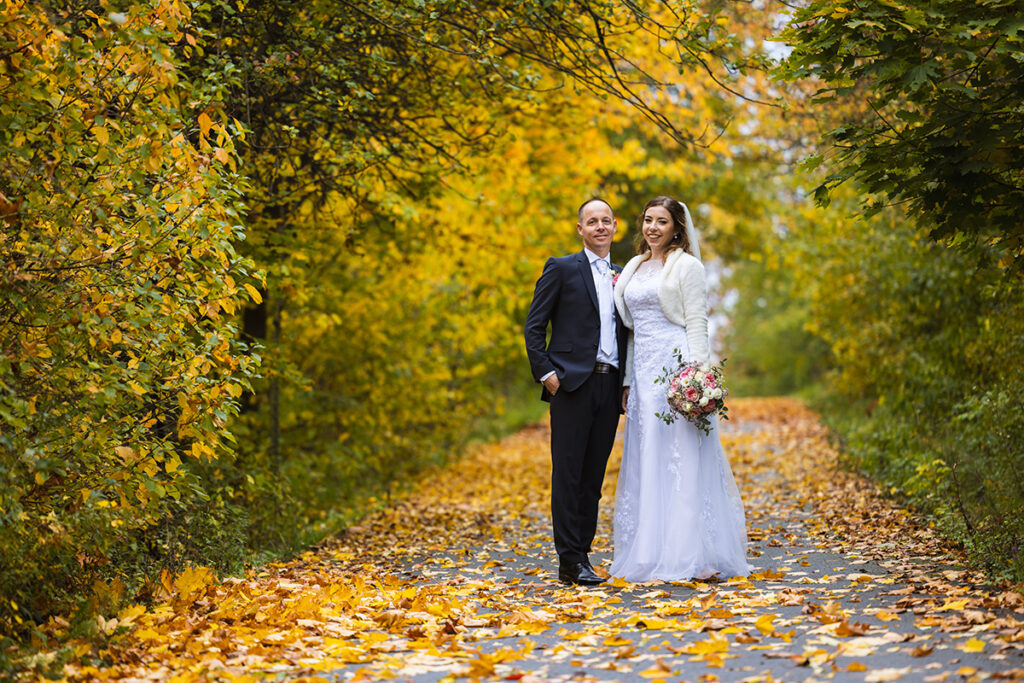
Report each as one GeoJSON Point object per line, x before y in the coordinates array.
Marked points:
{"type": "Point", "coordinates": [583, 424]}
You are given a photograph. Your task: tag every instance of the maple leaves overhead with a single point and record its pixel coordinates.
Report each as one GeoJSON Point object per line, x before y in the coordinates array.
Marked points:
{"type": "Point", "coordinates": [458, 578]}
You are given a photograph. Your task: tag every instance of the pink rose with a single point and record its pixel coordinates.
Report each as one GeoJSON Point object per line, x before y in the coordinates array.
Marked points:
{"type": "Point", "coordinates": [709, 381]}
{"type": "Point", "coordinates": [691, 394]}
{"type": "Point", "coordinates": [615, 279]}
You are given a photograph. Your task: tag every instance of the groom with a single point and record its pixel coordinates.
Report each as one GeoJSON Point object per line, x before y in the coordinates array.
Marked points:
{"type": "Point", "coordinates": [580, 369]}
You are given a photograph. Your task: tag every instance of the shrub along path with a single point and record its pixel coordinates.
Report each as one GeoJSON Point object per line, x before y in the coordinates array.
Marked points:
{"type": "Point", "coordinates": [457, 580]}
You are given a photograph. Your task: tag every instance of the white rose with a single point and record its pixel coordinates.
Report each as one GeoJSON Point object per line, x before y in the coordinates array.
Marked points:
{"type": "Point", "coordinates": [703, 401]}
{"type": "Point", "coordinates": [717, 393]}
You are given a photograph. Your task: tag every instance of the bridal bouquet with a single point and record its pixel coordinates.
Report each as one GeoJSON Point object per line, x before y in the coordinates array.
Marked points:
{"type": "Point", "coordinates": [695, 392]}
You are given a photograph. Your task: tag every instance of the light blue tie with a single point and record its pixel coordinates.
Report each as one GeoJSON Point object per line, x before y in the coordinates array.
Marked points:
{"type": "Point", "coordinates": [604, 304]}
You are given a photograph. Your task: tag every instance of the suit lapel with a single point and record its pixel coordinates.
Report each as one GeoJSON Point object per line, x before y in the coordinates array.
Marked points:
{"type": "Point", "coordinates": [588, 277]}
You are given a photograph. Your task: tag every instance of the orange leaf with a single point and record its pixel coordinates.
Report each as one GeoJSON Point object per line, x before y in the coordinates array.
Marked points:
{"type": "Point", "coordinates": [205, 122]}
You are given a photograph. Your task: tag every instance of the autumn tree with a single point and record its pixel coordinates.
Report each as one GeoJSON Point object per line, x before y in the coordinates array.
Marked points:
{"type": "Point", "coordinates": [119, 286]}
{"type": "Point", "coordinates": [941, 129]}
{"type": "Point", "coordinates": [386, 185]}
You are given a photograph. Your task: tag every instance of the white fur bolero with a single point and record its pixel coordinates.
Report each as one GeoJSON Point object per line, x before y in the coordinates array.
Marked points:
{"type": "Point", "coordinates": [684, 300]}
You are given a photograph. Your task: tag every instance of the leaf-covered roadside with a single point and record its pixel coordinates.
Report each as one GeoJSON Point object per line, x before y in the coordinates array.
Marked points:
{"type": "Point", "coordinates": [457, 579]}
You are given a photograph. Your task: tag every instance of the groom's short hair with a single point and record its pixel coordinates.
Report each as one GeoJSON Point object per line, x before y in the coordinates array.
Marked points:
{"type": "Point", "coordinates": [579, 211]}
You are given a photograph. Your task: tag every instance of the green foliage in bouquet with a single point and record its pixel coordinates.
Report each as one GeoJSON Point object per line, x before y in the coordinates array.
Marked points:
{"type": "Point", "coordinates": [694, 391]}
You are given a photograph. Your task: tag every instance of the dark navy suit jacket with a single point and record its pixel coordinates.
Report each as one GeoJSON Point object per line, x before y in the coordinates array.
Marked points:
{"type": "Point", "coordinates": [565, 298]}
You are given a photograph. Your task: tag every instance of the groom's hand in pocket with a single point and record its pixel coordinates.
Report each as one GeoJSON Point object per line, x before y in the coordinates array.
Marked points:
{"type": "Point", "coordinates": [552, 384]}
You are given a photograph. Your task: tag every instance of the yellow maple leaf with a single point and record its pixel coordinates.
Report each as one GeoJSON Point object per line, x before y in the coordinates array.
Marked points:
{"type": "Point", "coordinates": [130, 613]}
{"type": "Point", "coordinates": [615, 641]}
{"type": "Point", "coordinates": [953, 605]}
{"type": "Point", "coordinates": [194, 579]}
{"type": "Point", "coordinates": [764, 623]}
{"type": "Point", "coordinates": [973, 645]}
{"type": "Point", "coordinates": [714, 644]}
{"type": "Point", "coordinates": [656, 624]}
{"type": "Point", "coordinates": [885, 616]}
{"type": "Point", "coordinates": [844, 629]}
{"type": "Point", "coordinates": [146, 634]}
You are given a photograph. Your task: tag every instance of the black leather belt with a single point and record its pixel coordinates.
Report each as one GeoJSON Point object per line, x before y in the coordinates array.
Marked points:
{"type": "Point", "coordinates": [605, 369]}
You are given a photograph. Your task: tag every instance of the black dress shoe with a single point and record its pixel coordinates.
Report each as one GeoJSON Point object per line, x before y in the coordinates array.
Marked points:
{"type": "Point", "coordinates": [578, 574]}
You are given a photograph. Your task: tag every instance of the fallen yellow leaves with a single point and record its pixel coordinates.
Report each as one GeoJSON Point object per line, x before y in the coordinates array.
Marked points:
{"type": "Point", "coordinates": [922, 651]}
{"type": "Point", "coordinates": [953, 605]}
{"type": "Point", "coordinates": [658, 671]}
{"type": "Point", "coordinates": [883, 615]}
{"type": "Point", "coordinates": [712, 651]}
{"type": "Point", "coordinates": [845, 628]}
{"type": "Point", "coordinates": [457, 578]}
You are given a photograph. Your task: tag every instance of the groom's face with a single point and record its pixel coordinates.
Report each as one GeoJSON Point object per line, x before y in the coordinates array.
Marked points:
{"type": "Point", "coordinates": [596, 227]}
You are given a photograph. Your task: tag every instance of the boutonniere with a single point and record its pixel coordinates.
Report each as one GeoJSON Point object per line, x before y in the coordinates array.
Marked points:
{"type": "Point", "coordinates": [615, 278]}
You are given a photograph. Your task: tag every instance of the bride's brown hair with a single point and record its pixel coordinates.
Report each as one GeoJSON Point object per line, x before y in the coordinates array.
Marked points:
{"type": "Point", "coordinates": [675, 209]}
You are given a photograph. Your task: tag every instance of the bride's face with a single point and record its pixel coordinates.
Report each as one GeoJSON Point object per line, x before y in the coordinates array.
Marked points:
{"type": "Point", "coordinates": [658, 228]}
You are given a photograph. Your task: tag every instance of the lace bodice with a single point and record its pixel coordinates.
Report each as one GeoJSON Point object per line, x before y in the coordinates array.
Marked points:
{"type": "Point", "coordinates": [654, 335]}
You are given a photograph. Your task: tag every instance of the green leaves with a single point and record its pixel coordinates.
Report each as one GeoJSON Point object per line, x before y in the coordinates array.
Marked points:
{"type": "Point", "coordinates": [942, 131]}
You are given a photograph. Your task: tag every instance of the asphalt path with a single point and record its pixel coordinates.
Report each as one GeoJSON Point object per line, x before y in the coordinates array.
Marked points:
{"type": "Point", "coordinates": [808, 613]}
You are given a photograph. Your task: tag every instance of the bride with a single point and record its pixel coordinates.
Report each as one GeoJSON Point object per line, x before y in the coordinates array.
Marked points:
{"type": "Point", "coordinates": [678, 514]}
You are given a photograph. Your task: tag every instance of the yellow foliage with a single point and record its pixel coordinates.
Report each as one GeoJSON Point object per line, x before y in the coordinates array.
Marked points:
{"type": "Point", "coordinates": [114, 231]}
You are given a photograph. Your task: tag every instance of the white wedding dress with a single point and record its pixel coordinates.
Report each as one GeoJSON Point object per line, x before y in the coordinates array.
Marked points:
{"type": "Point", "coordinates": [678, 513]}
